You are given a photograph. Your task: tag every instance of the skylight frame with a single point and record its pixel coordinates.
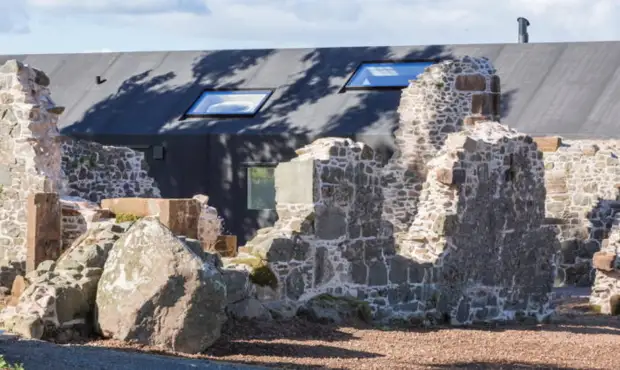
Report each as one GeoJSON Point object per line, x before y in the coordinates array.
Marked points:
{"type": "Point", "coordinates": [268, 92]}
{"type": "Point", "coordinates": [346, 87]}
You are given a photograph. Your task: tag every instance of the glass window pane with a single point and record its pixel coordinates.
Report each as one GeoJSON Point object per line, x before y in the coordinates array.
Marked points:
{"type": "Point", "coordinates": [370, 75]}
{"type": "Point", "coordinates": [261, 188]}
{"type": "Point", "coordinates": [242, 102]}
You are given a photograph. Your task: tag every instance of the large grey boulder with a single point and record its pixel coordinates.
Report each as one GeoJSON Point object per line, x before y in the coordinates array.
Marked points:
{"type": "Point", "coordinates": [155, 290]}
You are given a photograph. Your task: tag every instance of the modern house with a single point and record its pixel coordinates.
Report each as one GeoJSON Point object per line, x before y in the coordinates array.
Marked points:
{"type": "Point", "coordinates": [216, 122]}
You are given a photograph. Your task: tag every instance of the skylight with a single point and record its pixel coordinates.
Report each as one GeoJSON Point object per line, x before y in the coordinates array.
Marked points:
{"type": "Point", "coordinates": [386, 74]}
{"type": "Point", "coordinates": [229, 103]}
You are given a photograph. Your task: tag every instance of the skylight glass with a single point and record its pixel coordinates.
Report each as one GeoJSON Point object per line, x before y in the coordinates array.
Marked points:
{"type": "Point", "coordinates": [397, 74]}
{"type": "Point", "coordinates": [229, 103]}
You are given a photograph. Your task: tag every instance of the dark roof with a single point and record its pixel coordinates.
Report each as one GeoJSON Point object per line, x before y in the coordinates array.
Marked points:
{"type": "Point", "coordinates": [568, 89]}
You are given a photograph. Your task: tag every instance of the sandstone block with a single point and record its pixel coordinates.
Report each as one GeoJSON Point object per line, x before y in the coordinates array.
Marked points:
{"type": "Point", "coordinates": [473, 82]}
{"type": "Point", "coordinates": [225, 246]}
{"type": "Point", "coordinates": [590, 150]}
{"type": "Point", "coordinates": [43, 231]}
{"type": "Point", "coordinates": [555, 182]}
{"type": "Point", "coordinates": [472, 120]}
{"type": "Point", "coordinates": [486, 104]}
{"type": "Point", "coordinates": [179, 215]}
{"type": "Point", "coordinates": [495, 84]}
{"type": "Point", "coordinates": [548, 143]}
{"type": "Point", "coordinates": [149, 268]}
{"type": "Point", "coordinates": [460, 141]}
{"type": "Point", "coordinates": [294, 182]}
{"type": "Point", "coordinates": [19, 286]}
{"type": "Point", "coordinates": [451, 176]}
{"type": "Point", "coordinates": [604, 261]}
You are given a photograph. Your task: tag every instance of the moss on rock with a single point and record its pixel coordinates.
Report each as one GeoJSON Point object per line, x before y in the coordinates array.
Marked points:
{"type": "Point", "coordinates": [263, 276]}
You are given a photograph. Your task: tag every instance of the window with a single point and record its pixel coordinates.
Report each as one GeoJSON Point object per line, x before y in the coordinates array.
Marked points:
{"type": "Point", "coordinates": [386, 74]}
{"type": "Point", "coordinates": [229, 103]}
{"type": "Point", "coordinates": [261, 188]}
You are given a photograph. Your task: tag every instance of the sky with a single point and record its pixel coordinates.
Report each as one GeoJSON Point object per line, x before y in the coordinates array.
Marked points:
{"type": "Point", "coordinates": [77, 26]}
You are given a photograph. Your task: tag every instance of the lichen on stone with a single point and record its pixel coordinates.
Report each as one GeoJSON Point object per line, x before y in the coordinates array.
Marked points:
{"type": "Point", "coordinates": [126, 217]}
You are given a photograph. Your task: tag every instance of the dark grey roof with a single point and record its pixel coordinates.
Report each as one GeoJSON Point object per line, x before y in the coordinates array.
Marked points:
{"type": "Point", "coordinates": [568, 89]}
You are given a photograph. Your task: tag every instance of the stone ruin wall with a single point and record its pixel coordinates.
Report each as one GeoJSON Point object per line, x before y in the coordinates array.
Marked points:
{"type": "Point", "coordinates": [35, 158]}
{"type": "Point", "coordinates": [468, 198]}
{"type": "Point", "coordinates": [95, 172]}
{"type": "Point", "coordinates": [582, 179]}
{"type": "Point", "coordinates": [606, 288]}
{"type": "Point", "coordinates": [29, 156]}
{"type": "Point", "coordinates": [447, 96]}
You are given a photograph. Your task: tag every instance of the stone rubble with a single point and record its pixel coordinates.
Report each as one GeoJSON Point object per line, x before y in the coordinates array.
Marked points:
{"type": "Point", "coordinates": [59, 300]}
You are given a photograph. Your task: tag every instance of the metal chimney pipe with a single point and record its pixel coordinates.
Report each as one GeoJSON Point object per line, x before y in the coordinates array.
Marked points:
{"type": "Point", "coordinates": [524, 37]}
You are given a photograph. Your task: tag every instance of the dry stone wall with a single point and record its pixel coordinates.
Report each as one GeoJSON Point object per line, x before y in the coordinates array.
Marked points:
{"type": "Point", "coordinates": [94, 172]}
{"type": "Point", "coordinates": [450, 228]}
{"type": "Point", "coordinates": [582, 179]}
{"type": "Point", "coordinates": [30, 158]}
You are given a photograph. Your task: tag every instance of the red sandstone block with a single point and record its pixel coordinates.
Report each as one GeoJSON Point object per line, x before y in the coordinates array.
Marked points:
{"type": "Point", "coordinates": [179, 215]}
{"type": "Point", "coordinates": [225, 246]}
{"type": "Point", "coordinates": [43, 229]}
{"type": "Point", "coordinates": [19, 285]}
{"type": "Point", "coordinates": [548, 143]}
{"type": "Point", "coordinates": [472, 120]}
{"type": "Point", "coordinates": [473, 82]}
{"type": "Point", "coordinates": [604, 261]}
{"type": "Point", "coordinates": [495, 84]}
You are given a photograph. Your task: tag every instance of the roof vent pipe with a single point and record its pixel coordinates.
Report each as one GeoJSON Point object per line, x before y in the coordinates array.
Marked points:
{"type": "Point", "coordinates": [524, 37]}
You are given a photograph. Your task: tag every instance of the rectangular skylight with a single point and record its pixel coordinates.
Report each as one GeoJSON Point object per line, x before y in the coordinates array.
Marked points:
{"type": "Point", "coordinates": [229, 103]}
{"type": "Point", "coordinates": [386, 74]}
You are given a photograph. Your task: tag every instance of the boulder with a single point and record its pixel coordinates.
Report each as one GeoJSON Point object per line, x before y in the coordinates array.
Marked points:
{"type": "Point", "coordinates": [248, 309]}
{"type": "Point", "coordinates": [155, 290]}
{"type": "Point", "coordinates": [59, 296]}
{"type": "Point", "coordinates": [325, 308]}
{"type": "Point", "coordinates": [238, 284]}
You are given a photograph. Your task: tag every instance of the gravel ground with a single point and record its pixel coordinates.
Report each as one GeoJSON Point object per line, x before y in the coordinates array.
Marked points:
{"type": "Point", "coordinates": [579, 339]}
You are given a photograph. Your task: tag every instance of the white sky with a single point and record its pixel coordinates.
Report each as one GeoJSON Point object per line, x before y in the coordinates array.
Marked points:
{"type": "Point", "coordinates": [54, 26]}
